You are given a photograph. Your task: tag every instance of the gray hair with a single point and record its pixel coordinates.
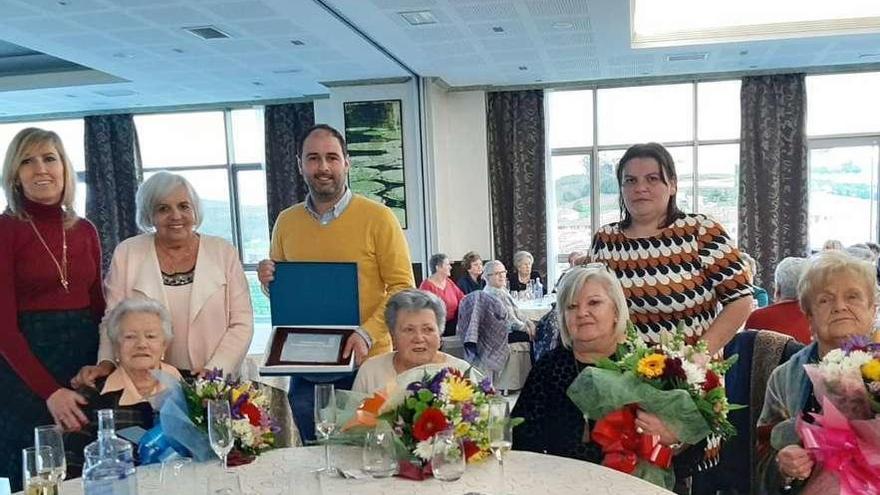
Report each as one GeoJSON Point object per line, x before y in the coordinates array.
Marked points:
{"type": "Point", "coordinates": [821, 267]}
{"type": "Point", "coordinates": [861, 252]}
{"type": "Point", "coordinates": [521, 256]}
{"type": "Point", "coordinates": [414, 300]}
{"type": "Point", "coordinates": [435, 261]}
{"type": "Point", "coordinates": [137, 305]}
{"type": "Point", "coordinates": [788, 274]}
{"type": "Point", "coordinates": [157, 188]}
{"type": "Point", "coordinates": [573, 282]}
{"type": "Point", "coordinates": [489, 269]}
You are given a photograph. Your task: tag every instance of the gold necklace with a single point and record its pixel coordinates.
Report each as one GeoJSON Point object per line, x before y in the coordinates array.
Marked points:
{"type": "Point", "coordinates": [62, 267]}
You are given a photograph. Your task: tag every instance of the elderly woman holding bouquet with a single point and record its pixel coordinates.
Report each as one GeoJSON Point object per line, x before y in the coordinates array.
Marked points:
{"type": "Point", "coordinates": [838, 296]}
{"type": "Point", "coordinates": [593, 316]}
{"type": "Point", "coordinates": [198, 277]}
{"type": "Point", "coordinates": [415, 318]}
{"type": "Point", "coordinates": [139, 330]}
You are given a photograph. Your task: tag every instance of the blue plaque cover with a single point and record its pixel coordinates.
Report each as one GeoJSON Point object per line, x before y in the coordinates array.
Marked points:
{"type": "Point", "coordinates": [311, 293]}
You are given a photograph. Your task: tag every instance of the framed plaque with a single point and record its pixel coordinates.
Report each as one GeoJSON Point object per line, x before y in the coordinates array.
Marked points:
{"type": "Point", "coordinates": [309, 350]}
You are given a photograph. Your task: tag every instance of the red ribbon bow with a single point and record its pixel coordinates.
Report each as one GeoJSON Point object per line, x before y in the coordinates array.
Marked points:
{"type": "Point", "coordinates": [622, 446]}
{"type": "Point", "coordinates": [840, 448]}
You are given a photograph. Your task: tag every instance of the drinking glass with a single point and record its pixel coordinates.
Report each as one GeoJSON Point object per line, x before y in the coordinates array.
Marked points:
{"type": "Point", "coordinates": [220, 428]}
{"type": "Point", "coordinates": [325, 418]}
{"type": "Point", "coordinates": [379, 455]}
{"type": "Point", "coordinates": [500, 434]}
{"type": "Point", "coordinates": [224, 483]}
{"type": "Point", "coordinates": [177, 474]}
{"type": "Point", "coordinates": [51, 436]}
{"type": "Point", "coordinates": [39, 469]}
{"type": "Point", "coordinates": [447, 457]}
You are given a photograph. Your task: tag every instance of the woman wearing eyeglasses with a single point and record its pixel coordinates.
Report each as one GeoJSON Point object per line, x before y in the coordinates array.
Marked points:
{"type": "Point", "coordinates": [675, 267]}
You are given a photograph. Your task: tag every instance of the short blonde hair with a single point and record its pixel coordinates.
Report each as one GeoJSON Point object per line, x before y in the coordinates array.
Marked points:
{"type": "Point", "coordinates": [573, 282]}
{"type": "Point", "coordinates": [22, 143]}
{"type": "Point", "coordinates": [823, 266]}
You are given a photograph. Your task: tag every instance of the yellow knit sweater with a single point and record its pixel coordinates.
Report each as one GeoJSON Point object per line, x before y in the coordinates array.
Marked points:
{"type": "Point", "coordinates": [367, 233]}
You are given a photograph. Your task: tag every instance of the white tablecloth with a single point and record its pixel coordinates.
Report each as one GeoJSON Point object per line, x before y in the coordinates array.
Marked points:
{"type": "Point", "coordinates": [287, 471]}
{"type": "Point", "coordinates": [535, 309]}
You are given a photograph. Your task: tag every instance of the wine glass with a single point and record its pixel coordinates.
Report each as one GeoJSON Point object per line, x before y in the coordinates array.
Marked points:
{"type": "Point", "coordinates": [447, 456]}
{"type": "Point", "coordinates": [220, 428]}
{"type": "Point", "coordinates": [39, 470]}
{"type": "Point", "coordinates": [225, 483]}
{"type": "Point", "coordinates": [325, 418]}
{"type": "Point", "coordinates": [500, 433]}
{"type": "Point", "coordinates": [51, 436]}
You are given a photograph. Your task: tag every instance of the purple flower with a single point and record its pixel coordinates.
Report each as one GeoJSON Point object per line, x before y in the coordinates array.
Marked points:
{"type": "Point", "coordinates": [856, 343]}
{"type": "Point", "coordinates": [437, 381]}
{"type": "Point", "coordinates": [414, 387]}
{"type": "Point", "coordinates": [468, 412]}
{"type": "Point", "coordinates": [214, 374]}
{"type": "Point", "coordinates": [486, 386]}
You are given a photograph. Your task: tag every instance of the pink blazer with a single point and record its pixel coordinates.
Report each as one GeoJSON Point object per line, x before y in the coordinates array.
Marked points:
{"type": "Point", "coordinates": [221, 319]}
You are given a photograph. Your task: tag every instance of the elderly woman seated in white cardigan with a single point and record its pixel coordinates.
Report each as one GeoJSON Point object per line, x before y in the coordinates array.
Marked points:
{"type": "Point", "coordinates": [415, 319]}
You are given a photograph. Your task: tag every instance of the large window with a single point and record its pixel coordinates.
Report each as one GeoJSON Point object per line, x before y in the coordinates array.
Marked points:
{"type": "Point", "coordinates": [844, 142]}
{"type": "Point", "coordinates": [589, 130]}
{"type": "Point", "coordinates": [221, 154]}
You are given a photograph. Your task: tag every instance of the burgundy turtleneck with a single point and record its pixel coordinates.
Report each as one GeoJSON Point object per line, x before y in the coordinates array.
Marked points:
{"type": "Point", "coordinates": [31, 282]}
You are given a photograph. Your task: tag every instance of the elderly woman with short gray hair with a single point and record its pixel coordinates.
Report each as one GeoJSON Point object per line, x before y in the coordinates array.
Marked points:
{"type": "Point", "coordinates": [495, 275]}
{"type": "Point", "coordinates": [523, 274]}
{"type": "Point", "coordinates": [139, 331]}
{"type": "Point", "coordinates": [414, 318]}
{"type": "Point", "coordinates": [197, 277]}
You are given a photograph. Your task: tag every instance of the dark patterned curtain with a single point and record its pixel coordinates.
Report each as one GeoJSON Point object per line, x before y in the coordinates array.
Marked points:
{"type": "Point", "coordinates": [285, 125]}
{"type": "Point", "coordinates": [773, 171]}
{"type": "Point", "coordinates": [515, 122]}
{"type": "Point", "coordinates": [113, 168]}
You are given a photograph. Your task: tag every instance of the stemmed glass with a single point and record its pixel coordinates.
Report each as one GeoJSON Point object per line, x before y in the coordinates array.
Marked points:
{"type": "Point", "coordinates": [325, 418]}
{"type": "Point", "coordinates": [220, 428]}
{"type": "Point", "coordinates": [51, 436]}
{"type": "Point", "coordinates": [500, 433]}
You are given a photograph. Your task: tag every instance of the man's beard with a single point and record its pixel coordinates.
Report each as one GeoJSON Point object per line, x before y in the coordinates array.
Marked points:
{"type": "Point", "coordinates": [325, 192]}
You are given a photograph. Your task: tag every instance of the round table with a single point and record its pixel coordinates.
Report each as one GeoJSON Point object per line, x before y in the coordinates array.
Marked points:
{"type": "Point", "coordinates": [286, 471]}
{"type": "Point", "coordinates": [535, 309]}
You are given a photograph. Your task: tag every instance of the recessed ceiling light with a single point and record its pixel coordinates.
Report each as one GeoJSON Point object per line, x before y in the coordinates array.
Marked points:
{"type": "Point", "coordinates": [287, 71]}
{"type": "Point", "coordinates": [257, 83]}
{"type": "Point", "coordinates": [113, 93]}
{"type": "Point", "coordinates": [522, 67]}
{"type": "Point", "coordinates": [71, 96]}
{"type": "Point", "coordinates": [418, 17]}
{"type": "Point", "coordinates": [178, 50]}
{"type": "Point", "coordinates": [743, 53]}
{"type": "Point", "coordinates": [122, 55]}
{"type": "Point", "coordinates": [869, 55]}
{"type": "Point", "coordinates": [687, 57]}
{"type": "Point", "coordinates": [207, 32]}
{"type": "Point", "coordinates": [498, 29]}
{"type": "Point", "coordinates": [298, 42]}
{"type": "Point", "coordinates": [562, 25]}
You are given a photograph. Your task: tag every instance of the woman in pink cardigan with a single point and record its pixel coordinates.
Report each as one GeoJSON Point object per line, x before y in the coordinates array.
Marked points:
{"type": "Point", "coordinates": [197, 277]}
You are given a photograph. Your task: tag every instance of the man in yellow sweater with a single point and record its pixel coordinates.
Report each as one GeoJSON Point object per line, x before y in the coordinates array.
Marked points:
{"type": "Point", "coordinates": [333, 224]}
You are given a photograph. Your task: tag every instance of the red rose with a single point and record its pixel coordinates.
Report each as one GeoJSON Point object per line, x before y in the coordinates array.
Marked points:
{"type": "Point", "coordinates": [252, 412]}
{"type": "Point", "coordinates": [672, 369]}
{"type": "Point", "coordinates": [430, 422]}
{"type": "Point", "coordinates": [712, 381]}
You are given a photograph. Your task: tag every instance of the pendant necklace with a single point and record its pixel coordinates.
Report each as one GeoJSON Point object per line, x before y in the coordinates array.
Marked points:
{"type": "Point", "coordinates": [62, 266]}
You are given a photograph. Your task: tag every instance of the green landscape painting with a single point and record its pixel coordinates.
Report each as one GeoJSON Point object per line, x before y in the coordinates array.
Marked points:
{"type": "Point", "coordinates": [374, 133]}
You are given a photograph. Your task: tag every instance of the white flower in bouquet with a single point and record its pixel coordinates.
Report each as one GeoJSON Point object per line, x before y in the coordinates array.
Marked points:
{"type": "Point", "coordinates": [425, 449]}
{"type": "Point", "coordinates": [696, 375]}
{"type": "Point", "coordinates": [243, 430]}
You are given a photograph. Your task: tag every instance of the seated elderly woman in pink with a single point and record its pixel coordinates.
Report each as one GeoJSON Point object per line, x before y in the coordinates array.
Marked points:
{"type": "Point", "coordinates": [197, 277]}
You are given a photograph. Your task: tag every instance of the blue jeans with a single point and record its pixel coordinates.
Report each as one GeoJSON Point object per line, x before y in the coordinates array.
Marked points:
{"type": "Point", "coordinates": [302, 398]}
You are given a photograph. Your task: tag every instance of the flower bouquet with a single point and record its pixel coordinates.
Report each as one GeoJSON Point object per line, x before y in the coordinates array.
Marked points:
{"type": "Point", "coordinates": [183, 420]}
{"type": "Point", "coordinates": [416, 412]}
{"type": "Point", "coordinates": [845, 438]}
{"type": "Point", "coordinates": [679, 383]}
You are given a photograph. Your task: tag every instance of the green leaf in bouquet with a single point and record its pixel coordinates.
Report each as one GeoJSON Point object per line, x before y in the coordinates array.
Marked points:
{"type": "Point", "coordinates": [425, 395]}
{"type": "Point", "coordinates": [598, 392]}
{"type": "Point", "coordinates": [652, 474]}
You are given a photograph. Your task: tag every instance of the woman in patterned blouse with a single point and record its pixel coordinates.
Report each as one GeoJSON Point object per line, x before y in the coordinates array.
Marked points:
{"type": "Point", "coordinates": [675, 267]}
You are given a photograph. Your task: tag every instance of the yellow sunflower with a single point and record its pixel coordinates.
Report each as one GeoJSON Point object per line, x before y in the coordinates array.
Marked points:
{"type": "Point", "coordinates": [871, 370]}
{"type": "Point", "coordinates": [651, 366]}
{"type": "Point", "coordinates": [459, 390]}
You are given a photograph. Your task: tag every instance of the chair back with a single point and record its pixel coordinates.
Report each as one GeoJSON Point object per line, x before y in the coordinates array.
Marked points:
{"type": "Point", "coordinates": [482, 327]}
{"type": "Point", "coordinates": [418, 273]}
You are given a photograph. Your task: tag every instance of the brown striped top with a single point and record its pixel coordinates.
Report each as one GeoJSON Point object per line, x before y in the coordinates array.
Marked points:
{"type": "Point", "coordinates": [680, 274]}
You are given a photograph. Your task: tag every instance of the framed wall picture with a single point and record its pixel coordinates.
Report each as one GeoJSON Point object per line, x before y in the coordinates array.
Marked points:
{"type": "Point", "coordinates": [374, 132]}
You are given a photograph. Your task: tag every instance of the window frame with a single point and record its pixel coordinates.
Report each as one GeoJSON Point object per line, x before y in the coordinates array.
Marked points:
{"type": "Point", "coordinates": [593, 151]}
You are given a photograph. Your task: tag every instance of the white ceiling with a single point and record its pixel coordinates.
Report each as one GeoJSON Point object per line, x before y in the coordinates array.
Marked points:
{"type": "Point", "coordinates": [146, 60]}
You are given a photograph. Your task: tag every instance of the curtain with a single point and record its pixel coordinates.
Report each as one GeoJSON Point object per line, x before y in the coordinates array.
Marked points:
{"type": "Point", "coordinates": [285, 125]}
{"type": "Point", "coordinates": [773, 175]}
{"type": "Point", "coordinates": [113, 172]}
{"type": "Point", "coordinates": [515, 125]}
